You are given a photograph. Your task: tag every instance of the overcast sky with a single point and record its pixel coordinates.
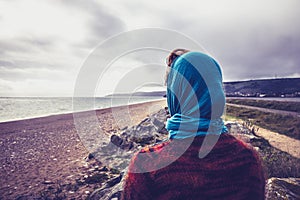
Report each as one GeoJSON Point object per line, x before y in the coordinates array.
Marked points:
{"type": "Point", "coordinates": [44, 43]}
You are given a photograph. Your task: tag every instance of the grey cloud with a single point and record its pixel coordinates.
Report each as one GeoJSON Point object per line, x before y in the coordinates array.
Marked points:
{"type": "Point", "coordinates": [256, 53]}
{"type": "Point", "coordinates": [102, 24]}
{"type": "Point", "coordinates": [24, 64]}
{"type": "Point", "coordinates": [38, 42]}
{"type": "Point", "coordinates": [25, 44]}
{"type": "Point", "coordinates": [258, 59]}
{"type": "Point", "coordinates": [251, 45]}
{"type": "Point", "coordinates": [4, 63]}
{"type": "Point", "coordinates": [13, 75]}
{"type": "Point", "coordinates": [7, 47]}
{"type": "Point", "coordinates": [22, 74]}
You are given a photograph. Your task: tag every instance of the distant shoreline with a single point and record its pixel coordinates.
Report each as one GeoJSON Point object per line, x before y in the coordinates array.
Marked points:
{"type": "Point", "coordinates": [72, 111]}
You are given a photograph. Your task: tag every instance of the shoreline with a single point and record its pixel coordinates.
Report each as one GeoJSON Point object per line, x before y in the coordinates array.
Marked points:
{"type": "Point", "coordinates": [43, 153]}
{"type": "Point", "coordinates": [74, 112]}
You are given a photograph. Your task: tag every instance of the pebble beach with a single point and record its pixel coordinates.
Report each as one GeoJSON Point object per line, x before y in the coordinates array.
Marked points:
{"type": "Point", "coordinates": [42, 156]}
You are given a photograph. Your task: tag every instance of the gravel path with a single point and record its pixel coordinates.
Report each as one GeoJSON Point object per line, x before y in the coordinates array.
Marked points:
{"type": "Point", "coordinates": [281, 112]}
{"type": "Point", "coordinates": [279, 141]}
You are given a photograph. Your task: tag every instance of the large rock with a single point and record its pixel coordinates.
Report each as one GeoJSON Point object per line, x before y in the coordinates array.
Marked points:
{"type": "Point", "coordinates": [121, 147]}
{"type": "Point", "coordinates": [149, 131]}
{"type": "Point", "coordinates": [283, 188]}
{"type": "Point", "coordinates": [237, 128]}
{"type": "Point", "coordinates": [112, 190]}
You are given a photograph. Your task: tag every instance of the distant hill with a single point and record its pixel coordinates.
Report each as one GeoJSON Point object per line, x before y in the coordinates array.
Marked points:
{"type": "Point", "coordinates": [140, 94]}
{"type": "Point", "coordinates": [287, 87]}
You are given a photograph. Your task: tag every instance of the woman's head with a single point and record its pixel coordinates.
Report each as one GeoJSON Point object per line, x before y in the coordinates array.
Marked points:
{"type": "Point", "coordinates": [175, 54]}
{"type": "Point", "coordinates": [194, 92]}
{"type": "Point", "coordinates": [171, 58]}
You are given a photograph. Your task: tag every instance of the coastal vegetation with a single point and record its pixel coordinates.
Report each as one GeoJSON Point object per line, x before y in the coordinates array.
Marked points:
{"type": "Point", "coordinates": [284, 124]}
{"type": "Point", "coordinates": [277, 105]}
{"type": "Point", "coordinates": [276, 163]}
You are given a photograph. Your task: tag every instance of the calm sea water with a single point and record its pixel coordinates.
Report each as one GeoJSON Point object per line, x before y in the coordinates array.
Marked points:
{"type": "Point", "coordinates": [12, 108]}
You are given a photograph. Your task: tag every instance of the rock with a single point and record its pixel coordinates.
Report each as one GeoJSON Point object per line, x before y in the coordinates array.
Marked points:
{"type": "Point", "coordinates": [158, 124]}
{"type": "Point", "coordinates": [89, 157]}
{"type": "Point", "coordinates": [143, 133]}
{"type": "Point", "coordinates": [121, 142]}
{"type": "Point", "coordinates": [114, 181]}
{"type": "Point", "coordinates": [283, 188]}
{"type": "Point", "coordinates": [259, 142]}
{"type": "Point", "coordinates": [108, 193]}
{"type": "Point", "coordinates": [163, 131]}
{"type": "Point", "coordinates": [104, 169]}
{"type": "Point", "coordinates": [120, 149]}
{"type": "Point", "coordinates": [47, 182]}
{"type": "Point", "coordinates": [237, 128]}
{"type": "Point", "coordinates": [116, 140]}
{"type": "Point", "coordinates": [96, 178]}
{"type": "Point", "coordinates": [127, 146]}
{"type": "Point", "coordinates": [158, 119]}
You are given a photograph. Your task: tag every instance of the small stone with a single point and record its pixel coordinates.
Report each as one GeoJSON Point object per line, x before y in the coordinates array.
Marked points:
{"type": "Point", "coordinates": [104, 169]}
{"type": "Point", "coordinates": [47, 182]}
{"type": "Point", "coordinates": [127, 146]}
{"type": "Point", "coordinates": [116, 140]}
{"type": "Point", "coordinates": [91, 170]}
{"type": "Point", "coordinates": [114, 181]}
{"type": "Point", "coordinates": [89, 157]}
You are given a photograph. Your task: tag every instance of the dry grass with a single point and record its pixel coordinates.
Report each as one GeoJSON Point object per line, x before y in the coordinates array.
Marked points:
{"type": "Point", "coordinates": [277, 105]}
{"type": "Point", "coordinates": [276, 163]}
{"type": "Point", "coordinates": [283, 124]}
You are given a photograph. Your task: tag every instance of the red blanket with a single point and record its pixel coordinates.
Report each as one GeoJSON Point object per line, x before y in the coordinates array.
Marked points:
{"type": "Point", "coordinates": [232, 170]}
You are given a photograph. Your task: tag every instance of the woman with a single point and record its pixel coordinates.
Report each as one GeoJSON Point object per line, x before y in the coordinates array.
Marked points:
{"type": "Point", "coordinates": [200, 160]}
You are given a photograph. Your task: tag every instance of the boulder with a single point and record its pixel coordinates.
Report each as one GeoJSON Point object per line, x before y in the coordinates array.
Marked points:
{"type": "Point", "coordinates": [283, 188]}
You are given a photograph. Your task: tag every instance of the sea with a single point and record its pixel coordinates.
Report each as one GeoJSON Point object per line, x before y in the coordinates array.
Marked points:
{"type": "Point", "coordinates": [18, 108]}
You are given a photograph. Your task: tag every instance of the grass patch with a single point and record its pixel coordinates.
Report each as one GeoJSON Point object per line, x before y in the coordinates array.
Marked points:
{"type": "Point", "coordinates": [283, 124]}
{"type": "Point", "coordinates": [276, 163]}
{"type": "Point", "coordinates": [277, 105]}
